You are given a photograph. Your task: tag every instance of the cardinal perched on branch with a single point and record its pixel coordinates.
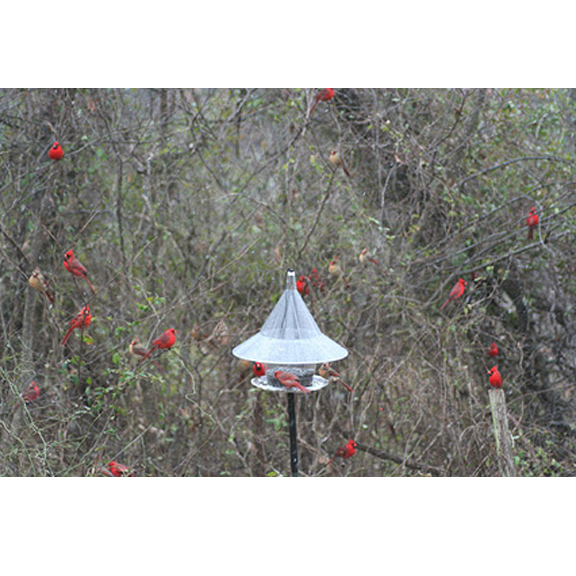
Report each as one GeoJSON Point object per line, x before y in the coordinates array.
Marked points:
{"type": "Point", "coordinates": [165, 341]}
{"type": "Point", "coordinates": [56, 152]}
{"type": "Point", "coordinates": [334, 268]}
{"type": "Point", "coordinates": [346, 451]}
{"type": "Point", "coordinates": [532, 222]}
{"type": "Point", "coordinates": [327, 372]}
{"type": "Point", "coordinates": [31, 393]}
{"type": "Point", "coordinates": [336, 161]}
{"type": "Point", "coordinates": [118, 470]}
{"type": "Point", "coordinates": [495, 378]}
{"type": "Point", "coordinates": [323, 96]}
{"type": "Point", "coordinates": [81, 320]}
{"type": "Point", "coordinates": [317, 282]}
{"type": "Point", "coordinates": [75, 267]}
{"type": "Point", "coordinates": [138, 351]}
{"type": "Point", "coordinates": [493, 350]}
{"type": "Point", "coordinates": [302, 286]}
{"type": "Point", "coordinates": [41, 284]}
{"type": "Point", "coordinates": [456, 292]}
{"type": "Point", "coordinates": [290, 381]}
{"type": "Point", "coordinates": [366, 257]}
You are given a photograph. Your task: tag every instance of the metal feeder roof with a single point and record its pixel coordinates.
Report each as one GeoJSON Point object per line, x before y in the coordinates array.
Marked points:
{"type": "Point", "coordinates": [290, 335]}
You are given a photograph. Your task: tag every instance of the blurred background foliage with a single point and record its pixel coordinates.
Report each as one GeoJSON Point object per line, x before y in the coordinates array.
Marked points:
{"type": "Point", "coordinates": [187, 206]}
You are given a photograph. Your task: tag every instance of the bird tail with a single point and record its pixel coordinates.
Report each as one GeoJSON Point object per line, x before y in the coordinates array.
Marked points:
{"type": "Point", "coordinates": [330, 461]}
{"type": "Point", "coordinates": [91, 287]}
{"type": "Point", "coordinates": [147, 354]}
{"type": "Point", "coordinates": [345, 385]}
{"type": "Point", "coordinates": [67, 336]}
{"type": "Point", "coordinates": [50, 296]}
{"type": "Point", "coordinates": [530, 233]}
{"type": "Point", "coordinates": [301, 388]}
{"type": "Point", "coordinates": [445, 303]}
{"type": "Point", "coordinates": [313, 107]}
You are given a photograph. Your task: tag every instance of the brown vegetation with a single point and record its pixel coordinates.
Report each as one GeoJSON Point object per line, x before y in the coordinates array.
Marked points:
{"type": "Point", "coordinates": [188, 206]}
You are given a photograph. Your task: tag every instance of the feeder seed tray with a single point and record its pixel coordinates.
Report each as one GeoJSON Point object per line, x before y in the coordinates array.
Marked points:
{"type": "Point", "coordinates": [272, 385]}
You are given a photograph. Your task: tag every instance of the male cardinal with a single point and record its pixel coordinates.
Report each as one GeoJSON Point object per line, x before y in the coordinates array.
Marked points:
{"type": "Point", "coordinates": [31, 393]}
{"type": "Point", "coordinates": [324, 95]}
{"type": "Point", "coordinates": [317, 282]}
{"type": "Point", "coordinates": [456, 292]}
{"type": "Point", "coordinates": [532, 221]}
{"type": "Point", "coordinates": [75, 267]}
{"type": "Point", "coordinates": [56, 152]}
{"type": "Point", "coordinates": [337, 161]}
{"type": "Point", "coordinates": [290, 381]}
{"type": "Point", "coordinates": [346, 451]}
{"type": "Point", "coordinates": [259, 369]}
{"type": "Point", "coordinates": [165, 341]}
{"type": "Point", "coordinates": [118, 470]}
{"type": "Point", "coordinates": [81, 320]}
{"type": "Point", "coordinates": [327, 372]}
{"type": "Point", "coordinates": [302, 286]}
{"type": "Point", "coordinates": [495, 377]}
{"type": "Point", "coordinates": [41, 284]}
{"type": "Point", "coordinates": [138, 350]}
{"type": "Point", "coordinates": [493, 350]}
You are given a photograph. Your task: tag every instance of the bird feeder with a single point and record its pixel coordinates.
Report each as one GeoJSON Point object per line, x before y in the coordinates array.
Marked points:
{"type": "Point", "coordinates": [290, 341]}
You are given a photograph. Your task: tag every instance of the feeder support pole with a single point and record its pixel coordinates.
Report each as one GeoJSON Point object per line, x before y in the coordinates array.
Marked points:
{"type": "Point", "coordinates": [293, 437]}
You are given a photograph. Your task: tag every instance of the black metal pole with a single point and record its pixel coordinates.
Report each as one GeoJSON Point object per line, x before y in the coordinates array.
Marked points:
{"type": "Point", "coordinates": [293, 437]}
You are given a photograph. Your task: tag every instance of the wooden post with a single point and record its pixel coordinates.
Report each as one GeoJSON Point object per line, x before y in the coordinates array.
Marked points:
{"type": "Point", "coordinates": [501, 432]}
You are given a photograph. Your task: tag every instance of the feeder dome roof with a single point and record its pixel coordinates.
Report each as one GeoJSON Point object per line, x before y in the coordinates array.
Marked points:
{"type": "Point", "coordinates": [290, 335]}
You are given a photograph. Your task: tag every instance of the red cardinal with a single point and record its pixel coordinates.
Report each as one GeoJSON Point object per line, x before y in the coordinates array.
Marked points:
{"type": "Point", "coordinates": [327, 372]}
{"type": "Point", "coordinates": [258, 369]}
{"type": "Point", "coordinates": [315, 279]}
{"type": "Point", "coordinates": [324, 95]}
{"type": "Point", "coordinates": [532, 221]}
{"type": "Point", "coordinates": [74, 267]}
{"type": "Point", "coordinates": [302, 286]}
{"type": "Point", "coordinates": [456, 292]}
{"type": "Point", "coordinates": [56, 152]}
{"type": "Point", "coordinates": [346, 451]}
{"type": "Point", "coordinates": [493, 350]}
{"type": "Point", "coordinates": [290, 381]}
{"type": "Point", "coordinates": [31, 393]}
{"type": "Point", "coordinates": [165, 341]}
{"type": "Point", "coordinates": [81, 320]}
{"type": "Point", "coordinates": [495, 378]}
{"type": "Point", "coordinates": [118, 470]}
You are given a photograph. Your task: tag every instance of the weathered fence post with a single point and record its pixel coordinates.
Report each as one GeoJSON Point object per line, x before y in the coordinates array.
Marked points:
{"type": "Point", "coordinates": [501, 432]}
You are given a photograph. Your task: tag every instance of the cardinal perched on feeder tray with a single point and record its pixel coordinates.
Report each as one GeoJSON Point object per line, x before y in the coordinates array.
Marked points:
{"type": "Point", "coordinates": [290, 381]}
{"type": "Point", "coordinates": [327, 372]}
{"type": "Point", "coordinates": [259, 369]}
